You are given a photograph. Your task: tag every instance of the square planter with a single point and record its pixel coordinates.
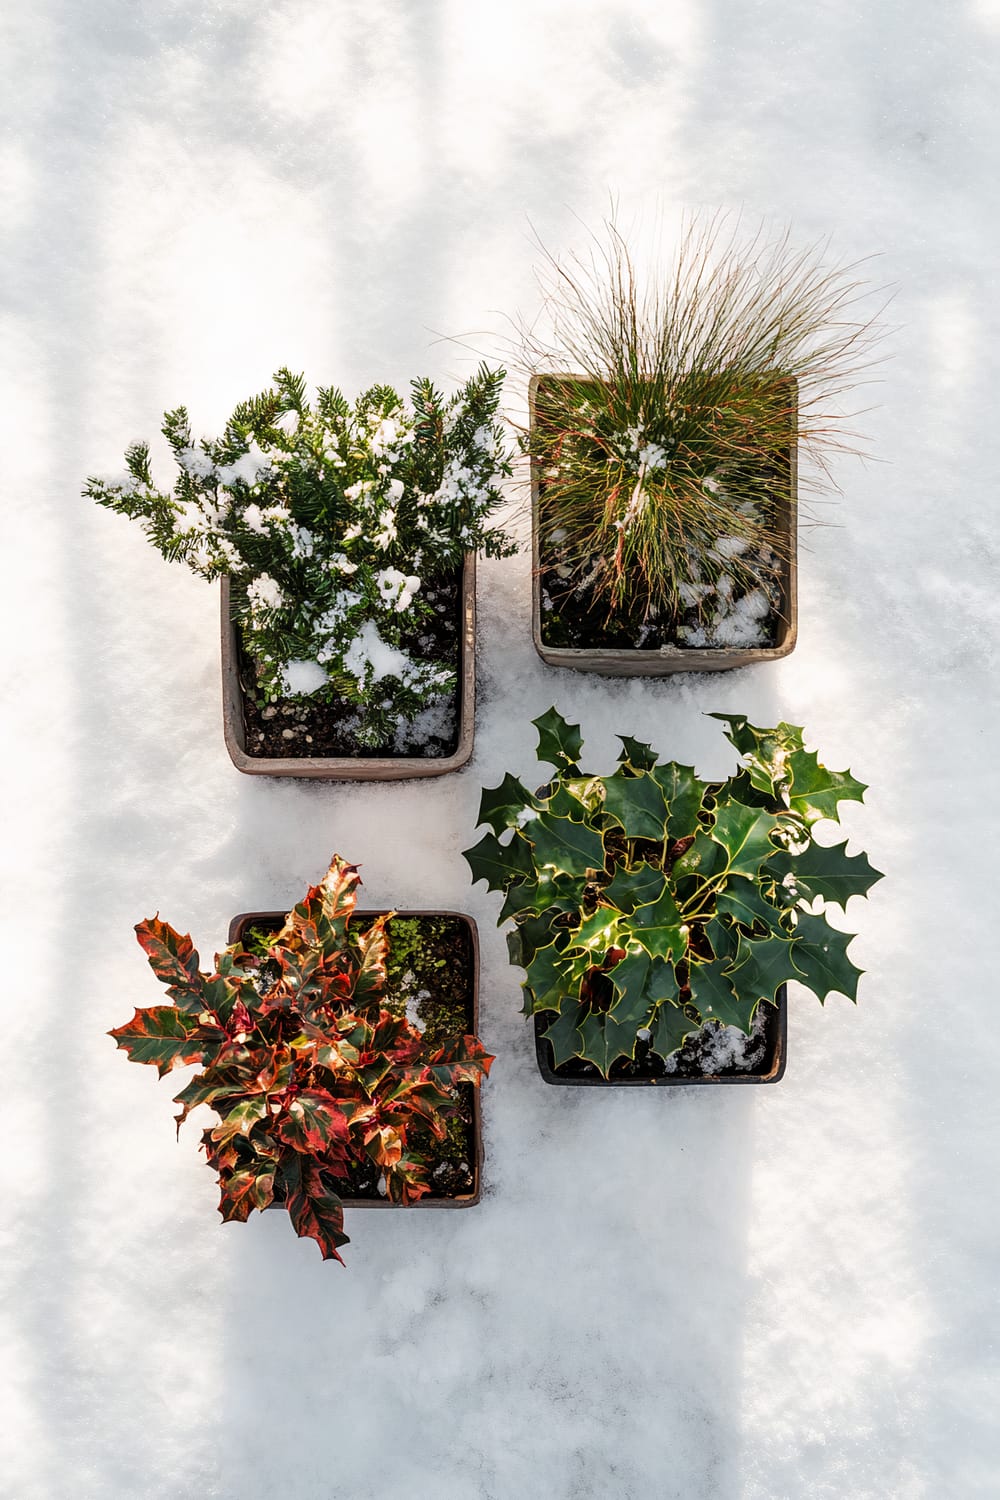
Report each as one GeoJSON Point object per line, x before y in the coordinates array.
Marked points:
{"type": "Point", "coordinates": [769, 1070]}
{"type": "Point", "coordinates": [347, 767]}
{"type": "Point", "coordinates": [238, 927]}
{"type": "Point", "coordinates": [658, 662]}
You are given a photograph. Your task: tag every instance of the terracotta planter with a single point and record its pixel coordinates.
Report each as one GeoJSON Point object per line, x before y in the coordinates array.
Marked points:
{"type": "Point", "coordinates": [346, 767]}
{"type": "Point", "coordinates": [769, 1070]}
{"type": "Point", "coordinates": [664, 659]}
{"type": "Point", "coordinates": [238, 927]}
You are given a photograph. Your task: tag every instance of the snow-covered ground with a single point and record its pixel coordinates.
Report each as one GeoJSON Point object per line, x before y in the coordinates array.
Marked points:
{"type": "Point", "coordinates": [779, 1292]}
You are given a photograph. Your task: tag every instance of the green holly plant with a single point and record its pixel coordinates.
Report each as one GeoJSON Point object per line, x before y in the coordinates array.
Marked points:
{"type": "Point", "coordinates": [652, 901]}
{"type": "Point", "coordinates": [306, 1069]}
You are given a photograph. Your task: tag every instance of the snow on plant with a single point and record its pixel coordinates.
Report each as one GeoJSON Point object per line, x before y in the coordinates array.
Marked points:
{"type": "Point", "coordinates": [332, 521]}
{"type": "Point", "coordinates": [676, 427]}
{"type": "Point", "coordinates": [651, 901]}
{"type": "Point", "coordinates": [305, 1068]}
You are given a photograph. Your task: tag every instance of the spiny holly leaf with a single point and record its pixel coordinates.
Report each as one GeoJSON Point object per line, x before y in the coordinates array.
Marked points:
{"type": "Point", "coordinates": [174, 960]}
{"type": "Point", "coordinates": [545, 985]}
{"type": "Point", "coordinates": [564, 803]}
{"type": "Point", "coordinates": [704, 858]}
{"type": "Point", "coordinates": [743, 900]}
{"type": "Point", "coordinates": [206, 1088]}
{"type": "Point", "coordinates": [634, 885]}
{"type": "Point", "coordinates": [497, 863]}
{"type": "Point", "coordinates": [315, 1124]}
{"type": "Point", "coordinates": [723, 935]}
{"type": "Point", "coordinates": [550, 891]}
{"type": "Point", "coordinates": [710, 989]}
{"type": "Point", "coordinates": [596, 933]}
{"type": "Point", "coordinates": [559, 743]}
{"type": "Point", "coordinates": [762, 965]}
{"type": "Point", "coordinates": [636, 753]}
{"type": "Point", "coordinates": [533, 931]}
{"type": "Point", "coordinates": [829, 872]}
{"type": "Point", "coordinates": [605, 1036]}
{"type": "Point", "coordinates": [563, 1035]}
{"type": "Point", "coordinates": [658, 926]}
{"type": "Point", "coordinates": [316, 1213]}
{"type": "Point", "coordinates": [244, 1190]}
{"type": "Point", "coordinates": [630, 977]}
{"type": "Point", "coordinates": [821, 958]}
{"type": "Point", "coordinates": [815, 791]}
{"type": "Point", "coordinates": [636, 802]}
{"type": "Point", "coordinates": [570, 848]}
{"type": "Point", "coordinates": [744, 833]}
{"type": "Point", "coordinates": [501, 806]}
{"type": "Point", "coordinates": [683, 791]}
{"type": "Point", "coordinates": [668, 1028]}
{"type": "Point", "coordinates": [165, 1037]}
{"type": "Point", "coordinates": [749, 739]}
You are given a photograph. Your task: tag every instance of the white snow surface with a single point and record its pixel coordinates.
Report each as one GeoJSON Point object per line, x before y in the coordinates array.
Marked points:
{"type": "Point", "coordinates": [787, 1291]}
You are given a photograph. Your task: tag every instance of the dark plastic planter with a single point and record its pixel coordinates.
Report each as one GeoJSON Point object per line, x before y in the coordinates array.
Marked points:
{"type": "Point", "coordinates": [346, 767]}
{"type": "Point", "coordinates": [246, 919]}
{"type": "Point", "coordinates": [770, 1070]}
{"type": "Point", "coordinates": [618, 662]}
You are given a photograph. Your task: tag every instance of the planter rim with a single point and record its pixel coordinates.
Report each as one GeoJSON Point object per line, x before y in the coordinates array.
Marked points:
{"type": "Point", "coordinates": [242, 921]}
{"type": "Point", "coordinates": [347, 767]}
{"type": "Point", "coordinates": [776, 1071]}
{"type": "Point", "coordinates": [667, 659]}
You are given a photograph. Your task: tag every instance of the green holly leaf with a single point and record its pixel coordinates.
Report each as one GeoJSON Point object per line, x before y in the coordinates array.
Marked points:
{"type": "Point", "coordinates": [548, 892]}
{"type": "Point", "coordinates": [636, 802]}
{"type": "Point", "coordinates": [501, 806]}
{"type": "Point", "coordinates": [829, 872]}
{"type": "Point", "coordinates": [636, 753]}
{"type": "Point", "coordinates": [710, 989]}
{"type": "Point", "coordinates": [569, 848]}
{"type": "Point", "coordinates": [705, 859]}
{"type": "Point", "coordinates": [634, 885]}
{"type": "Point", "coordinates": [723, 936]}
{"type": "Point", "coordinates": [532, 932]}
{"type": "Point", "coordinates": [546, 980]}
{"type": "Point", "coordinates": [658, 926]}
{"type": "Point", "coordinates": [563, 1035]}
{"type": "Point", "coordinates": [596, 933]}
{"type": "Point", "coordinates": [668, 1028]}
{"type": "Point", "coordinates": [498, 863]}
{"type": "Point", "coordinates": [815, 792]}
{"type": "Point", "coordinates": [748, 739]}
{"type": "Point", "coordinates": [821, 958]}
{"type": "Point", "coordinates": [559, 743]}
{"type": "Point", "coordinates": [604, 1038]}
{"type": "Point", "coordinates": [564, 803]}
{"type": "Point", "coordinates": [763, 965]}
{"type": "Point", "coordinates": [683, 792]}
{"type": "Point", "coordinates": [745, 834]}
{"type": "Point", "coordinates": [743, 900]}
{"type": "Point", "coordinates": [165, 1037]}
{"type": "Point", "coordinates": [630, 977]}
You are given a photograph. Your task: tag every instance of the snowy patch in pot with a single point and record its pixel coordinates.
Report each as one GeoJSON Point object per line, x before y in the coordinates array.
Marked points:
{"type": "Point", "coordinates": [659, 917]}
{"type": "Point", "coordinates": [340, 1072]}
{"type": "Point", "coordinates": [345, 537]}
{"type": "Point", "coordinates": [664, 466]}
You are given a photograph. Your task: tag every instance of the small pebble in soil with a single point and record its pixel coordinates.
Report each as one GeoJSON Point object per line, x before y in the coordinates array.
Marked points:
{"type": "Point", "coordinates": [309, 739]}
{"type": "Point", "coordinates": [268, 713]}
{"type": "Point", "coordinates": [288, 734]}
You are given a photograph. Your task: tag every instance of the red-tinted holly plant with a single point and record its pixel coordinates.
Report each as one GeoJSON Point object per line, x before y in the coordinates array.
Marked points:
{"type": "Point", "coordinates": [307, 1070]}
